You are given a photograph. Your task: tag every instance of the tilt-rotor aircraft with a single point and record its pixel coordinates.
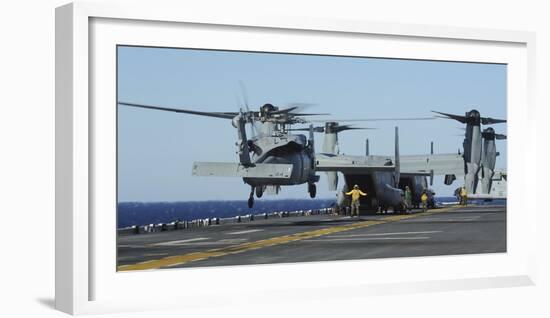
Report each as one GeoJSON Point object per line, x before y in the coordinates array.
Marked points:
{"type": "Point", "coordinates": [382, 177]}
{"type": "Point", "coordinates": [274, 156]}
{"type": "Point", "coordinates": [413, 170]}
{"type": "Point", "coordinates": [479, 150]}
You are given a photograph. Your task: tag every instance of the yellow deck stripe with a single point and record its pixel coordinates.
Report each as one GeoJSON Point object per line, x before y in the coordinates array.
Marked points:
{"type": "Point", "coordinates": [234, 249]}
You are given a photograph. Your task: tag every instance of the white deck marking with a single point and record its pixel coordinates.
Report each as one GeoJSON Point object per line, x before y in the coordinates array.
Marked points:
{"type": "Point", "coordinates": [244, 232]}
{"type": "Point", "coordinates": [445, 219]}
{"type": "Point", "coordinates": [220, 242]}
{"type": "Point", "coordinates": [368, 239]}
{"type": "Point", "coordinates": [180, 242]}
{"type": "Point", "coordinates": [383, 234]}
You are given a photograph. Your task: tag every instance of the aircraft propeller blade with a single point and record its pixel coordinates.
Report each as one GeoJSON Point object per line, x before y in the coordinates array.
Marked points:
{"type": "Point", "coordinates": [490, 121]}
{"type": "Point", "coordinates": [464, 119]}
{"type": "Point", "coordinates": [459, 118]}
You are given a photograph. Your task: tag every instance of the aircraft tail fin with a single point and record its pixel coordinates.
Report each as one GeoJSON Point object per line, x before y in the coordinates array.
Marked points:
{"type": "Point", "coordinates": [397, 163]}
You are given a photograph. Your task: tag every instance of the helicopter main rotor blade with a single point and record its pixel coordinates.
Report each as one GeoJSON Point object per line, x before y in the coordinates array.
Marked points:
{"type": "Point", "coordinates": [355, 128]}
{"type": "Point", "coordinates": [300, 107]}
{"type": "Point", "coordinates": [341, 128]}
{"type": "Point", "coordinates": [309, 114]}
{"type": "Point", "coordinates": [283, 111]}
{"type": "Point", "coordinates": [370, 119]}
{"type": "Point", "coordinates": [225, 115]}
{"type": "Point", "coordinates": [315, 129]}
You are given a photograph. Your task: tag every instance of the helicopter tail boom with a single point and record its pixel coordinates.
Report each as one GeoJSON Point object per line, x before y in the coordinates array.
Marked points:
{"type": "Point", "coordinates": [230, 169]}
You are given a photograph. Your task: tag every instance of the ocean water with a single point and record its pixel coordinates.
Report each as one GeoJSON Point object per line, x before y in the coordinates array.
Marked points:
{"type": "Point", "coordinates": [142, 213]}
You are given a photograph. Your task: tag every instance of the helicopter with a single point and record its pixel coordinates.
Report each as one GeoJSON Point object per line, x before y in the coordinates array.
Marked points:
{"type": "Point", "coordinates": [272, 158]}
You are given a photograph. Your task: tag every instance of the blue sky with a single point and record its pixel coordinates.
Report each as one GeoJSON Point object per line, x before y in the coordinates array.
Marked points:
{"type": "Point", "coordinates": [156, 149]}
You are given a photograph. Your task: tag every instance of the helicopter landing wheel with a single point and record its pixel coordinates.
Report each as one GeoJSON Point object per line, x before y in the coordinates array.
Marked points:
{"type": "Point", "coordinates": [250, 202]}
{"type": "Point", "coordinates": [259, 191]}
{"type": "Point", "coordinates": [312, 189]}
{"type": "Point", "coordinates": [397, 209]}
{"type": "Point", "coordinates": [251, 198]}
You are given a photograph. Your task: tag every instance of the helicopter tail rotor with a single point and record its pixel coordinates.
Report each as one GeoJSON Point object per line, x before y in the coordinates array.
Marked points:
{"type": "Point", "coordinates": [243, 148]}
{"type": "Point", "coordinates": [250, 115]}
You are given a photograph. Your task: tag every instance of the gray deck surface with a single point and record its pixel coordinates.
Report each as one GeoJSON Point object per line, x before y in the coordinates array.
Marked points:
{"type": "Point", "coordinates": [448, 231]}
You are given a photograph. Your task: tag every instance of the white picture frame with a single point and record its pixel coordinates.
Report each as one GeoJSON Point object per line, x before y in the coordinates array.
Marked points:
{"type": "Point", "coordinates": [80, 158]}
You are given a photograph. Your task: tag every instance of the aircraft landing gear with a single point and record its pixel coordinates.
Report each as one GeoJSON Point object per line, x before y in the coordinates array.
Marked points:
{"type": "Point", "coordinates": [259, 191]}
{"type": "Point", "coordinates": [251, 198]}
{"type": "Point", "coordinates": [312, 189]}
{"type": "Point", "coordinates": [400, 209]}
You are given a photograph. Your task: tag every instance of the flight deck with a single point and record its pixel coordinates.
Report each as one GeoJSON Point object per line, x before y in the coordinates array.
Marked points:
{"type": "Point", "coordinates": [450, 230]}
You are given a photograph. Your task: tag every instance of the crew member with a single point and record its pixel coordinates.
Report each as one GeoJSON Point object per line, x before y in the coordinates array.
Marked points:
{"type": "Point", "coordinates": [424, 199]}
{"type": "Point", "coordinates": [457, 195]}
{"type": "Point", "coordinates": [463, 196]}
{"type": "Point", "coordinates": [356, 194]}
{"type": "Point", "coordinates": [408, 198]}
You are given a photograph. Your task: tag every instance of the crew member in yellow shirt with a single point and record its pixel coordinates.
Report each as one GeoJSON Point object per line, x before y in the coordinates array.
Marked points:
{"type": "Point", "coordinates": [356, 194]}
{"type": "Point", "coordinates": [424, 199]}
{"type": "Point", "coordinates": [463, 196]}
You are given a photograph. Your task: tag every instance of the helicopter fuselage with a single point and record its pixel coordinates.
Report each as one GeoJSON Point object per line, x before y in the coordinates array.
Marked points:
{"type": "Point", "coordinates": [283, 149]}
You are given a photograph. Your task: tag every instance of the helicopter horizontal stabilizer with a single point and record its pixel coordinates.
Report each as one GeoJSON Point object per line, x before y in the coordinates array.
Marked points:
{"type": "Point", "coordinates": [230, 169]}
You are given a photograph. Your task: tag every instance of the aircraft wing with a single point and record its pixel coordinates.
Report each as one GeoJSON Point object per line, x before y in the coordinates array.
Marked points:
{"type": "Point", "coordinates": [488, 196]}
{"type": "Point", "coordinates": [230, 169]}
{"type": "Point", "coordinates": [353, 164]}
{"type": "Point", "coordinates": [440, 164]}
